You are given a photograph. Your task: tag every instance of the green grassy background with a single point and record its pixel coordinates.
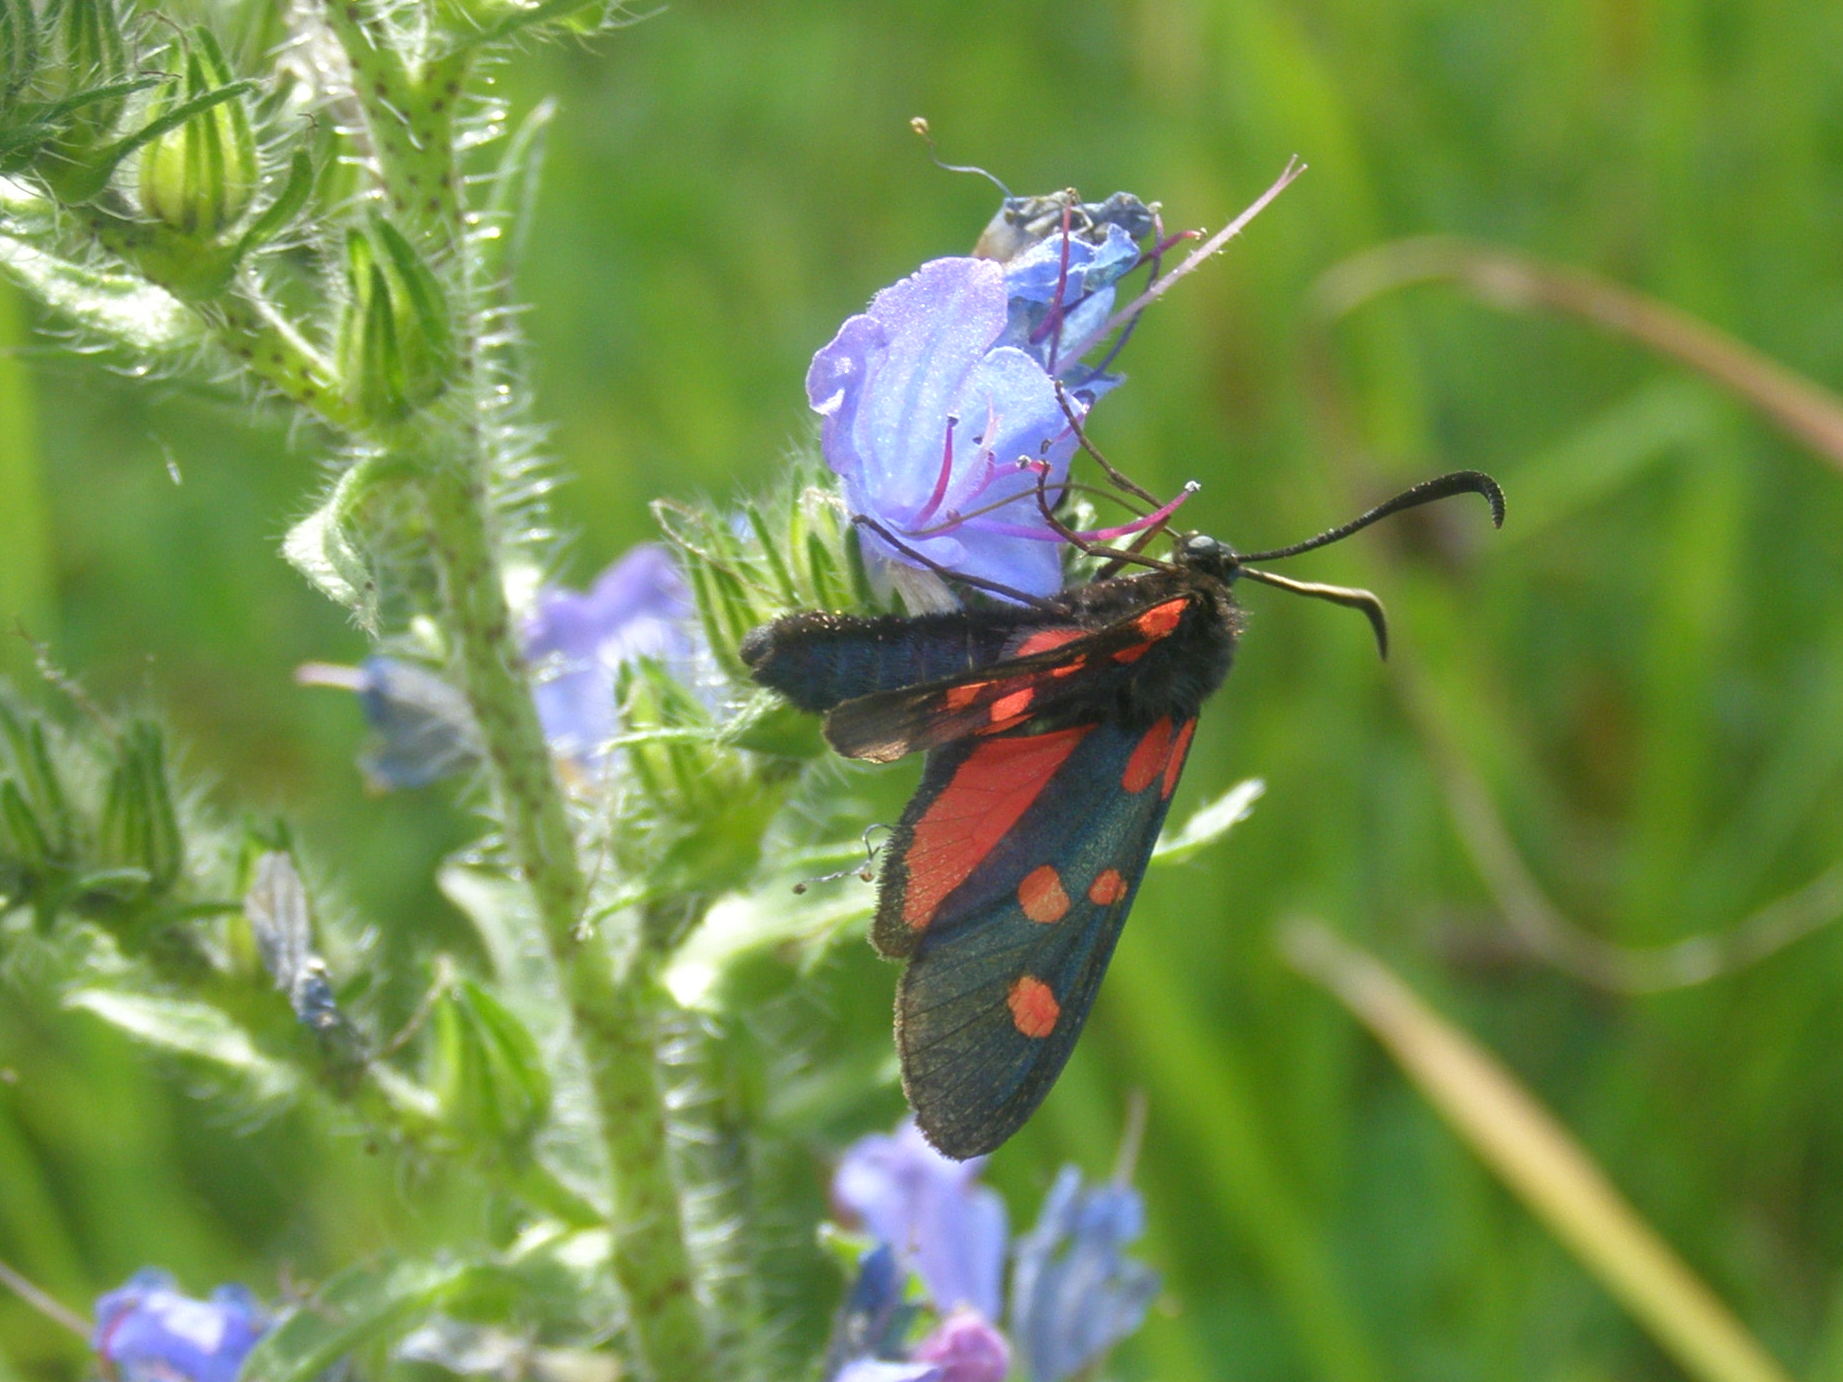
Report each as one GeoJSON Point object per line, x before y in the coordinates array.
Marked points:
{"type": "Point", "coordinates": [1647, 668]}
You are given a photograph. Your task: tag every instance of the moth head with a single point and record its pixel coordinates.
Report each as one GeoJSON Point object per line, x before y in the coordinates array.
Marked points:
{"type": "Point", "coordinates": [1212, 557]}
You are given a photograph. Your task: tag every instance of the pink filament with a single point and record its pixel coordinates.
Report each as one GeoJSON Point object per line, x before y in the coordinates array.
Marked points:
{"type": "Point", "coordinates": [946, 474]}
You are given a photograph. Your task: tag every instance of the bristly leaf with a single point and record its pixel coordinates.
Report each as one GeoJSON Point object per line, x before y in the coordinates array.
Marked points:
{"type": "Point", "coordinates": [324, 546]}
{"type": "Point", "coordinates": [191, 1029]}
{"type": "Point", "coordinates": [288, 203]}
{"type": "Point", "coordinates": [489, 1079]}
{"type": "Point", "coordinates": [123, 310]}
{"type": "Point", "coordinates": [357, 1309]}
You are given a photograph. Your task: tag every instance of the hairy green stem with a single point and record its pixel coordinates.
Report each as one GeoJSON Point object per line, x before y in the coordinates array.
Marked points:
{"type": "Point", "coordinates": [409, 106]}
{"type": "Point", "coordinates": [409, 115]}
{"type": "Point", "coordinates": [239, 319]}
{"type": "Point", "coordinates": [614, 1014]}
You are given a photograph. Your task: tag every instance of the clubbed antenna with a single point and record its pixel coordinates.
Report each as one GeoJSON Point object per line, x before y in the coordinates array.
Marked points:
{"type": "Point", "coordinates": [1427, 492]}
{"type": "Point", "coordinates": [920, 125]}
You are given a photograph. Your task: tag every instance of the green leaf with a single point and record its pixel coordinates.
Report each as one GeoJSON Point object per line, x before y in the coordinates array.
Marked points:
{"type": "Point", "coordinates": [569, 1143]}
{"type": "Point", "coordinates": [514, 193]}
{"type": "Point", "coordinates": [489, 1074]}
{"type": "Point", "coordinates": [740, 927]}
{"type": "Point", "coordinates": [186, 1027]}
{"type": "Point", "coordinates": [320, 546]}
{"type": "Point", "coordinates": [287, 204]}
{"type": "Point", "coordinates": [359, 1307]}
{"type": "Point", "coordinates": [126, 310]}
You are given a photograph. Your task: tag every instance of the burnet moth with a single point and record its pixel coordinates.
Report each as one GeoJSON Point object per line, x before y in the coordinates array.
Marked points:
{"type": "Point", "coordinates": [1056, 730]}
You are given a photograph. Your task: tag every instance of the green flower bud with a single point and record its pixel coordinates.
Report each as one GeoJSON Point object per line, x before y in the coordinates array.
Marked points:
{"type": "Point", "coordinates": [794, 551]}
{"type": "Point", "coordinates": [395, 349]}
{"type": "Point", "coordinates": [19, 54]}
{"type": "Point", "coordinates": [200, 176]}
{"type": "Point", "coordinates": [489, 1077]}
{"type": "Point", "coordinates": [139, 829]}
{"type": "Point", "coordinates": [83, 70]}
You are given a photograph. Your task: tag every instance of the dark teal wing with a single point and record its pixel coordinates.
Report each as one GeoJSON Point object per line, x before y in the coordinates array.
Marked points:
{"type": "Point", "coordinates": [1007, 883]}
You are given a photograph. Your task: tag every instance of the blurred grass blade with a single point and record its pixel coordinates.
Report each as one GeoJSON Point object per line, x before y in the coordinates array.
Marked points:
{"type": "Point", "coordinates": [1515, 282]}
{"type": "Point", "coordinates": [1537, 1158]}
{"type": "Point", "coordinates": [1549, 932]}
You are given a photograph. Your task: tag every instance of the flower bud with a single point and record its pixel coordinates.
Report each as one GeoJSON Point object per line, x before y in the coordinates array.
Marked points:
{"type": "Point", "coordinates": [489, 1077]}
{"type": "Point", "coordinates": [395, 349]}
{"type": "Point", "coordinates": [19, 53]}
{"type": "Point", "coordinates": [140, 825]}
{"type": "Point", "coordinates": [86, 53]}
{"type": "Point", "coordinates": [200, 176]}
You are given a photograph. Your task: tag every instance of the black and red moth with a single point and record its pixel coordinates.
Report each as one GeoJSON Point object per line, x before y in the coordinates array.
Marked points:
{"type": "Point", "coordinates": [1056, 732]}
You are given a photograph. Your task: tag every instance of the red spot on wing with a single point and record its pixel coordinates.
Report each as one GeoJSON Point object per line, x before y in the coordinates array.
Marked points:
{"type": "Point", "coordinates": [1132, 652]}
{"type": "Point", "coordinates": [1150, 755]}
{"type": "Point", "coordinates": [1107, 889]}
{"type": "Point", "coordinates": [1042, 897]}
{"type": "Point", "coordinates": [959, 697]}
{"type": "Point", "coordinates": [1160, 620]}
{"type": "Point", "coordinates": [1178, 750]}
{"type": "Point", "coordinates": [1069, 668]}
{"type": "Point", "coordinates": [1044, 639]}
{"type": "Point", "coordinates": [986, 796]}
{"type": "Point", "coordinates": [1034, 1008]}
{"type": "Point", "coordinates": [1012, 705]}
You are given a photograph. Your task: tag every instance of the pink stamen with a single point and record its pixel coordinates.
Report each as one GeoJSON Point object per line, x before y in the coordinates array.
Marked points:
{"type": "Point", "coordinates": [1041, 534]}
{"type": "Point", "coordinates": [1058, 310]}
{"type": "Point", "coordinates": [1171, 242]}
{"type": "Point", "coordinates": [1215, 242]}
{"type": "Point", "coordinates": [946, 474]}
{"type": "Point", "coordinates": [1157, 518]}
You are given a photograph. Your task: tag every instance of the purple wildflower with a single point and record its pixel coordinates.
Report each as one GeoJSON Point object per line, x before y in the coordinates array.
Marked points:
{"type": "Point", "coordinates": [1074, 1294]}
{"type": "Point", "coordinates": [966, 1348]}
{"type": "Point", "coordinates": [875, 1316]}
{"type": "Point", "coordinates": [944, 1226]}
{"type": "Point", "coordinates": [151, 1333]}
{"type": "Point", "coordinates": [940, 403]}
{"type": "Point", "coordinates": [927, 412]}
{"type": "Point", "coordinates": [639, 607]}
{"type": "Point", "coordinates": [422, 728]}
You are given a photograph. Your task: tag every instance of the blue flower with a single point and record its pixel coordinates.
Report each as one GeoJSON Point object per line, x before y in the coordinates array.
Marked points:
{"type": "Point", "coordinates": [151, 1333]}
{"type": "Point", "coordinates": [940, 404]}
{"type": "Point", "coordinates": [1073, 1292]}
{"type": "Point", "coordinates": [421, 729]}
{"type": "Point", "coordinates": [875, 1316]}
{"type": "Point", "coordinates": [926, 415]}
{"type": "Point", "coordinates": [639, 607]}
{"type": "Point", "coordinates": [942, 1224]}
{"type": "Point", "coordinates": [576, 643]}
{"type": "Point", "coordinates": [1059, 305]}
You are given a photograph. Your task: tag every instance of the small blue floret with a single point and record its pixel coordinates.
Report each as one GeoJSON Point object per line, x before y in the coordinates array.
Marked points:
{"type": "Point", "coordinates": [150, 1332]}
